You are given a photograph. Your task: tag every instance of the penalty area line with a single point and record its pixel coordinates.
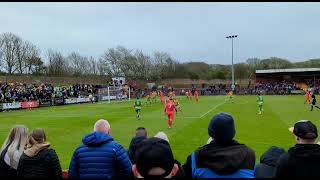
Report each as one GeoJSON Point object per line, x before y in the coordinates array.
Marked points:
{"type": "Point", "coordinates": [215, 107]}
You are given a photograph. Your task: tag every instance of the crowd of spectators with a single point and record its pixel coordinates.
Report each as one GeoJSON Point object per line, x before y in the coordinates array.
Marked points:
{"type": "Point", "coordinates": [276, 87]}
{"type": "Point", "coordinates": [271, 88]}
{"type": "Point", "coordinates": [19, 92]}
{"type": "Point", "coordinates": [25, 155]}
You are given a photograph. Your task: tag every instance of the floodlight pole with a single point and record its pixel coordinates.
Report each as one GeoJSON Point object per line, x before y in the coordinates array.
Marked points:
{"type": "Point", "coordinates": [232, 86]}
{"type": "Point", "coordinates": [232, 67]}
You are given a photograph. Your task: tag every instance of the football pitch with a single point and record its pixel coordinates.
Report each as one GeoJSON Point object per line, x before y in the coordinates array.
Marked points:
{"type": "Point", "coordinates": [66, 125]}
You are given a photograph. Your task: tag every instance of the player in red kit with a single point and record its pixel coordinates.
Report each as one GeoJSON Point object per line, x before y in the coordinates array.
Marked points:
{"type": "Point", "coordinates": [189, 94]}
{"type": "Point", "coordinates": [196, 95]}
{"type": "Point", "coordinates": [169, 110]}
{"type": "Point", "coordinates": [307, 97]}
{"type": "Point", "coordinates": [161, 97]}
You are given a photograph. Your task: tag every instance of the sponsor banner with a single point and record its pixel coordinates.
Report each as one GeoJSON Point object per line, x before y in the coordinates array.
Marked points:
{"type": "Point", "coordinates": [71, 101]}
{"type": "Point", "coordinates": [297, 92]}
{"type": "Point", "coordinates": [44, 102]}
{"type": "Point", "coordinates": [81, 100]}
{"type": "Point", "coordinates": [29, 104]}
{"type": "Point", "coordinates": [58, 101]}
{"type": "Point", "coordinates": [16, 105]}
{"type": "Point", "coordinates": [89, 100]}
{"type": "Point", "coordinates": [105, 98]}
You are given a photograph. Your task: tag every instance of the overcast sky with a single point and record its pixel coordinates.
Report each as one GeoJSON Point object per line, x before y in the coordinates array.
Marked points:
{"type": "Point", "coordinates": [187, 31]}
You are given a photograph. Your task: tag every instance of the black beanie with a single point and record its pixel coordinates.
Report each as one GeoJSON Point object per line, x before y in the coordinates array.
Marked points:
{"type": "Point", "coordinates": [221, 127]}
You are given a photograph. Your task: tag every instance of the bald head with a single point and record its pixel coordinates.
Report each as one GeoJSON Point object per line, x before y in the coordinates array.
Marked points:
{"type": "Point", "coordinates": [102, 126]}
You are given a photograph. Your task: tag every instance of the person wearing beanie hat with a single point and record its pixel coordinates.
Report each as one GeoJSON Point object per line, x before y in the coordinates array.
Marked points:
{"type": "Point", "coordinates": [303, 159]}
{"type": "Point", "coordinates": [221, 127]}
{"type": "Point", "coordinates": [222, 157]}
{"type": "Point", "coordinates": [268, 162]}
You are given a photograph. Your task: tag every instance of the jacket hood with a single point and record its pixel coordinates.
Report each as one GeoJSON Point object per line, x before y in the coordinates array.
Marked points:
{"type": "Point", "coordinates": [305, 151]}
{"type": "Point", "coordinates": [35, 149]}
{"type": "Point", "coordinates": [271, 156]}
{"type": "Point", "coordinates": [226, 158]}
{"type": "Point", "coordinates": [96, 138]}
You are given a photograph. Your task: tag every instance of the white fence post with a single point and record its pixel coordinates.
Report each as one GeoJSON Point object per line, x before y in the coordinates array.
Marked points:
{"type": "Point", "coordinates": [129, 93]}
{"type": "Point", "coordinates": [108, 94]}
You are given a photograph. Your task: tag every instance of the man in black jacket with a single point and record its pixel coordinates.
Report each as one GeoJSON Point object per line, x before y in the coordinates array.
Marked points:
{"type": "Point", "coordinates": [223, 157]}
{"type": "Point", "coordinates": [268, 162]}
{"type": "Point", "coordinates": [141, 134]}
{"type": "Point", "coordinates": [302, 160]}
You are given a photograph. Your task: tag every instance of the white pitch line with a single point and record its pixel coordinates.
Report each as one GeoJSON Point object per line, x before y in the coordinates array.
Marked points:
{"type": "Point", "coordinates": [213, 108]}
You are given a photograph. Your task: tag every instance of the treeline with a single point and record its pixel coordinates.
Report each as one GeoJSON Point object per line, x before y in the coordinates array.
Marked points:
{"type": "Point", "coordinates": [21, 57]}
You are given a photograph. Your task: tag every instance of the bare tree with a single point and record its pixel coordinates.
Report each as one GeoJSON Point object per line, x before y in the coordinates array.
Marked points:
{"type": "Point", "coordinates": [143, 65]}
{"type": "Point", "coordinates": [102, 67]}
{"type": "Point", "coordinates": [33, 62]}
{"type": "Point", "coordinates": [75, 63]}
{"type": "Point", "coordinates": [93, 64]}
{"type": "Point", "coordinates": [112, 59]}
{"type": "Point", "coordinates": [57, 66]}
{"type": "Point", "coordinates": [1, 53]}
{"type": "Point", "coordinates": [10, 44]}
{"type": "Point", "coordinates": [21, 52]}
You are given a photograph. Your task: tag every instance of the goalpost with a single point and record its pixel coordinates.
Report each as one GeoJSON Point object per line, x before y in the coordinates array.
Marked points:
{"type": "Point", "coordinates": [117, 94]}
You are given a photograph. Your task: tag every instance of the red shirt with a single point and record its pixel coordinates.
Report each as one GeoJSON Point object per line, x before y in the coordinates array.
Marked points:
{"type": "Point", "coordinates": [308, 94]}
{"type": "Point", "coordinates": [170, 107]}
{"type": "Point", "coordinates": [196, 93]}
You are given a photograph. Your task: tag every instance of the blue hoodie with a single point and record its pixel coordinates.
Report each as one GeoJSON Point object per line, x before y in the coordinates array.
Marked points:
{"type": "Point", "coordinates": [99, 157]}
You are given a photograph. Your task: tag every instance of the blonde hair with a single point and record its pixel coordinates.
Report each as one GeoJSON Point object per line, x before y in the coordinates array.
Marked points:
{"type": "Point", "coordinates": [16, 142]}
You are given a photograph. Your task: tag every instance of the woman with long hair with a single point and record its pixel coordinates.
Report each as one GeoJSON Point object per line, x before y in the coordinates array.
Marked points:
{"type": "Point", "coordinates": [38, 160]}
{"type": "Point", "coordinates": [12, 149]}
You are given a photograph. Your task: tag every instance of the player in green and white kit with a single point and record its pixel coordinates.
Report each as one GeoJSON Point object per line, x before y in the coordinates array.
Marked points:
{"type": "Point", "coordinates": [260, 103]}
{"type": "Point", "coordinates": [138, 106]}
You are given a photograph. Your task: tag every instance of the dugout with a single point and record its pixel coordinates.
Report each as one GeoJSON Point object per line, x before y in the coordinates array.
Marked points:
{"type": "Point", "coordinates": [305, 77]}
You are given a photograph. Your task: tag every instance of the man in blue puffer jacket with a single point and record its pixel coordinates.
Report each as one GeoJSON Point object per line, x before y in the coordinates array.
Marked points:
{"type": "Point", "coordinates": [100, 156]}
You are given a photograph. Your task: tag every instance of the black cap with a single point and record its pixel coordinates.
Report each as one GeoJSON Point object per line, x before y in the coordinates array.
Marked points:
{"type": "Point", "coordinates": [151, 153]}
{"type": "Point", "coordinates": [305, 129]}
{"type": "Point", "coordinates": [221, 127]}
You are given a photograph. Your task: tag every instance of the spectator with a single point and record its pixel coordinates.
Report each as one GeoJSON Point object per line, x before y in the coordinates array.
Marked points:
{"type": "Point", "coordinates": [162, 135]}
{"type": "Point", "coordinates": [38, 160]}
{"type": "Point", "coordinates": [11, 151]}
{"type": "Point", "coordinates": [141, 134]}
{"type": "Point", "coordinates": [223, 157]}
{"type": "Point", "coordinates": [268, 162]}
{"type": "Point", "coordinates": [302, 160]}
{"type": "Point", "coordinates": [154, 159]}
{"type": "Point", "coordinates": [100, 156]}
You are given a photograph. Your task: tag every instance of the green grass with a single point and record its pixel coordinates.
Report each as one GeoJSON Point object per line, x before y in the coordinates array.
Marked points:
{"type": "Point", "coordinates": [66, 125]}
